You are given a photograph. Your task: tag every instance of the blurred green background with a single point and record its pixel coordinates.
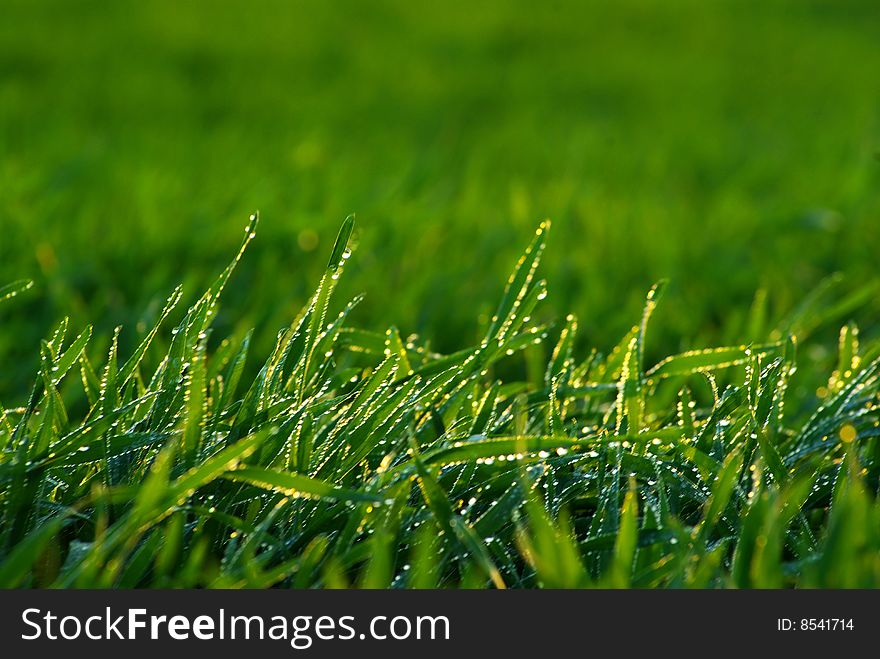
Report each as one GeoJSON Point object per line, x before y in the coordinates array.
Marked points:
{"type": "Point", "coordinates": [730, 146]}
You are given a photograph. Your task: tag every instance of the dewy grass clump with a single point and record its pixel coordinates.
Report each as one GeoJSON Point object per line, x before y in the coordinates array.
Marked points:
{"type": "Point", "coordinates": [357, 458]}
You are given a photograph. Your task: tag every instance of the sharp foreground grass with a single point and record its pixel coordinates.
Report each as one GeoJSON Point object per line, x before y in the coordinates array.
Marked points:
{"type": "Point", "coordinates": [357, 458]}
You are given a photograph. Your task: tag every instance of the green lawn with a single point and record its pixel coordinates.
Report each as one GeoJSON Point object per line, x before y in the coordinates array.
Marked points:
{"type": "Point", "coordinates": [727, 146]}
{"type": "Point", "coordinates": [730, 147]}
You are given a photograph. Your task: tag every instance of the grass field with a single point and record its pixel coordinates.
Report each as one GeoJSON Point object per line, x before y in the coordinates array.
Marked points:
{"type": "Point", "coordinates": [443, 430]}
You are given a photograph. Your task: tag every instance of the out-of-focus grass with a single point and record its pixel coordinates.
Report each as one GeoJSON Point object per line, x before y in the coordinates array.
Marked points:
{"type": "Point", "coordinates": [729, 146]}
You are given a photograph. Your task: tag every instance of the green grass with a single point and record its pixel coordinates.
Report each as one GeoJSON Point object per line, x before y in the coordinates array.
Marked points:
{"type": "Point", "coordinates": [362, 458]}
{"type": "Point", "coordinates": [727, 147]}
